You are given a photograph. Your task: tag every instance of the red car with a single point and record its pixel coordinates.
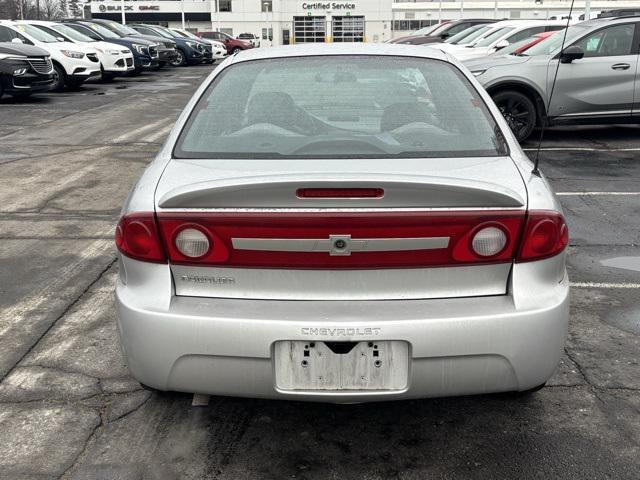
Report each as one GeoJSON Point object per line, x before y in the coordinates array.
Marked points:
{"type": "Point", "coordinates": [518, 48]}
{"type": "Point", "coordinates": [233, 44]}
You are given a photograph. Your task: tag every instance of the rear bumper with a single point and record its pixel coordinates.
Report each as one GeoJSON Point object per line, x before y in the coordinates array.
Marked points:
{"type": "Point", "coordinates": [457, 346]}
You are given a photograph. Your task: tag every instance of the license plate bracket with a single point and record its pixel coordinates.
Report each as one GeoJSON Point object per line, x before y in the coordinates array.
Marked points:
{"type": "Point", "coordinates": [380, 365]}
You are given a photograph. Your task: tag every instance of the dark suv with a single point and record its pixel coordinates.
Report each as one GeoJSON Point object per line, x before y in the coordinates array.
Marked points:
{"type": "Point", "coordinates": [145, 53]}
{"type": "Point", "coordinates": [166, 46]}
{"type": "Point", "coordinates": [188, 51]}
{"type": "Point", "coordinates": [24, 70]}
{"type": "Point", "coordinates": [443, 32]}
{"type": "Point", "coordinates": [233, 45]}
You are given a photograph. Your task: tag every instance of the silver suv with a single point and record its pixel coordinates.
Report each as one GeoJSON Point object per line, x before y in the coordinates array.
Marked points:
{"type": "Point", "coordinates": [598, 77]}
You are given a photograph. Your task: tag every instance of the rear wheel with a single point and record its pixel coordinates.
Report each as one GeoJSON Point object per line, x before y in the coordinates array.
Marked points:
{"type": "Point", "coordinates": [518, 110]}
{"type": "Point", "coordinates": [59, 77]}
{"type": "Point", "coordinates": [180, 60]}
{"type": "Point", "coordinates": [235, 50]}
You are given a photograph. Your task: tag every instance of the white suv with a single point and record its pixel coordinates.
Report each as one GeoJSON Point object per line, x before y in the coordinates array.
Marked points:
{"type": "Point", "coordinates": [115, 60]}
{"type": "Point", "coordinates": [73, 64]}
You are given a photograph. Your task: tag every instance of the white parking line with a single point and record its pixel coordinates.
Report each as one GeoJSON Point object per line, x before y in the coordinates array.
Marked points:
{"type": "Point", "coordinates": [136, 133]}
{"type": "Point", "coordinates": [596, 194]}
{"type": "Point", "coordinates": [604, 285]}
{"type": "Point", "coordinates": [163, 132]}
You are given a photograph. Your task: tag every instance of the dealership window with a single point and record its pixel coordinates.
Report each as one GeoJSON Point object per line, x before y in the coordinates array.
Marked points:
{"type": "Point", "coordinates": [267, 5]}
{"type": "Point", "coordinates": [411, 25]}
{"type": "Point", "coordinates": [224, 5]}
{"type": "Point", "coordinates": [269, 32]}
{"type": "Point", "coordinates": [228, 31]}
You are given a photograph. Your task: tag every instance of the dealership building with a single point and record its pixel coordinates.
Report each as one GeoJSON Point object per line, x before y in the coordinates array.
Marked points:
{"type": "Point", "coordinates": [279, 22]}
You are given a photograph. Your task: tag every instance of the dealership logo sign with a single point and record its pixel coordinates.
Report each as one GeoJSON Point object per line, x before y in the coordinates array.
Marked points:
{"type": "Point", "coordinates": [115, 8]}
{"type": "Point", "coordinates": [128, 8]}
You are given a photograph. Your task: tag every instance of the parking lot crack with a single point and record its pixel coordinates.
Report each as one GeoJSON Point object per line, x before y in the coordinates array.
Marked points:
{"type": "Point", "coordinates": [66, 310]}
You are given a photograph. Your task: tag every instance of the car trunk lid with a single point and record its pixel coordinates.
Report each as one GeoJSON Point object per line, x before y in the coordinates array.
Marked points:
{"type": "Point", "coordinates": [398, 231]}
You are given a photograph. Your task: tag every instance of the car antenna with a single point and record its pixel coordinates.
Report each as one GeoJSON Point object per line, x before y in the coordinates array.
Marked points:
{"type": "Point", "coordinates": [536, 161]}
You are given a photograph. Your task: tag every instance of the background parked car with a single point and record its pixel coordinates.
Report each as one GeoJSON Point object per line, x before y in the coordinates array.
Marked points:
{"type": "Point", "coordinates": [115, 60]}
{"type": "Point", "coordinates": [73, 64]}
{"type": "Point", "coordinates": [218, 50]}
{"type": "Point", "coordinates": [145, 53]}
{"type": "Point", "coordinates": [522, 46]}
{"type": "Point", "coordinates": [500, 36]}
{"type": "Point", "coordinates": [254, 40]}
{"type": "Point", "coordinates": [233, 45]}
{"type": "Point", "coordinates": [469, 35]}
{"type": "Point", "coordinates": [443, 32]}
{"type": "Point", "coordinates": [166, 47]}
{"type": "Point", "coordinates": [597, 79]}
{"type": "Point", "coordinates": [188, 52]}
{"type": "Point", "coordinates": [24, 69]}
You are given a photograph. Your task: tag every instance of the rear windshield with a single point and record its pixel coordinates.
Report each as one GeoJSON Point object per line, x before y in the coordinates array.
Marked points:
{"type": "Point", "coordinates": [340, 107]}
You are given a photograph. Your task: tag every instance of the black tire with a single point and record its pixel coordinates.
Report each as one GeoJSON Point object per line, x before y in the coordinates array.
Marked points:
{"type": "Point", "coordinates": [180, 60]}
{"type": "Point", "coordinates": [21, 94]}
{"type": "Point", "coordinates": [59, 77]}
{"type": "Point", "coordinates": [106, 76]}
{"type": "Point", "coordinates": [235, 50]}
{"type": "Point", "coordinates": [519, 111]}
{"type": "Point", "coordinates": [73, 84]}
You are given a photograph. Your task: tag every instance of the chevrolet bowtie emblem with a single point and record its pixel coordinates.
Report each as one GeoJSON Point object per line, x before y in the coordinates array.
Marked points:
{"type": "Point", "coordinates": [339, 245]}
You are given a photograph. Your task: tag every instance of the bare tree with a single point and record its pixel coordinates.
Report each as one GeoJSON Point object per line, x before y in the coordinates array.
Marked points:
{"type": "Point", "coordinates": [75, 8]}
{"type": "Point", "coordinates": [50, 9]}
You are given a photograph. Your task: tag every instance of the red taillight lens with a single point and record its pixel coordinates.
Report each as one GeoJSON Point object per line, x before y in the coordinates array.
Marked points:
{"type": "Point", "coordinates": [545, 235]}
{"type": "Point", "coordinates": [137, 237]}
{"type": "Point", "coordinates": [371, 239]}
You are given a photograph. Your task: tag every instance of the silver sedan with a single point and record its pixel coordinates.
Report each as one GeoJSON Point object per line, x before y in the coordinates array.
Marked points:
{"type": "Point", "coordinates": [342, 223]}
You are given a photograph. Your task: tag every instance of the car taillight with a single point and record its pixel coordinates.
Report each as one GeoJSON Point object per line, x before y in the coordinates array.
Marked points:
{"type": "Point", "coordinates": [137, 237]}
{"type": "Point", "coordinates": [366, 239]}
{"type": "Point", "coordinates": [545, 235]}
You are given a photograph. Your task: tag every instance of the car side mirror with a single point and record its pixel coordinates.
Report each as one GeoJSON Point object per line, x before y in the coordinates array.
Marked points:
{"type": "Point", "coordinates": [501, 44]}
{"type": "Point", "coordinates": [445, 35]}
{"type": "Point", "coordinates": [16, 40]}
{"type": "Point", "coordinates": [571, 53]}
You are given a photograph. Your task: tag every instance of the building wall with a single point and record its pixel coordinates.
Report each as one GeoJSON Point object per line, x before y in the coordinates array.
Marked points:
{"type": "Point", "coordinates": [246, 16]}
{"type": "Point", "coordinates": [383, 19]}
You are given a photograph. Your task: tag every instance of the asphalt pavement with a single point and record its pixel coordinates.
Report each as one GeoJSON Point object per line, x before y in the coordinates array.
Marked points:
{"type": "Point", "coordinates": [69, 409]}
